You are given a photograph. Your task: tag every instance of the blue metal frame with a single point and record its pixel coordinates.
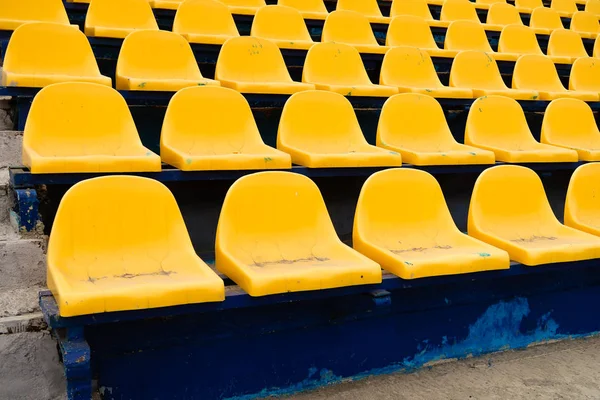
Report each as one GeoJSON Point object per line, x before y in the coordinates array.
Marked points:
{"type": "Point", "coordinates": [27, 208]}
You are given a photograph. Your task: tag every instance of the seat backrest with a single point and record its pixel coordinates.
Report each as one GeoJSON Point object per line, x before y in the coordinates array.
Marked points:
{"type": "Point", "coordinates": [319, 121]}
{"type": "Point", "coordinates": [368, 8]}
{"type": "Point", "coordinates": [569, 121]}
{"type": "Point", "coordinates": [475, 70]}
{"type": "Point", "coordinates": [251, 59]}
{"type": "Point", "coordinates": [503, 14]}
{"type": "Point", "coordinates": [408, 66]}
{"type": "Point", "coordinates": [407, 30]}
{"type": "Point", "coordinates": [334, 63]}
{"type": "Point", "coordinates": [568, 6]}
{"type": "Point", "coordinates": [457, 10]}
{"type": "Point", "coordinates": [593, 6]}
{"type": "Point", "coordinates": [305, 5]}
{"type": "Point", "coordinates": [518, 39]}
{"type": "Point", "coordinates": [596, 50]}
{"type": "Point", "coordinates": [536, 72]}
{"type": "Point", "coordinates": [204, 17]}
{"type": "Point", "coordinates": [529, 4]}
{"type": "Point", "coordinates": [466, 35]}
{"type": "Point", "coordinates": [414, 119]}
{"type": "Point", "coordinates": [583, 21]}
{"type": "Point", "coordinates": [415, 8]}
{"type": "Point", "coordinates": [279, 23]}
{"type": "Point", "coordinates": [581, 205]}
{"type": "Point", "coordinates": [585, 74]}
{"type": "Point", "coordinates": [564, 42]}
{"type": "Point", "coordinates": [118, 18]}
{"type": "Point", "coordinates": [245, 3]}
{"type": "Point", "coordinates": [14, 13]}
{"type": "Point", "coordinates": [545, 18]}
{"type": "Point", "coordinates": [490, 2]}
{"type": "Point", "coordinates": [348, 27]}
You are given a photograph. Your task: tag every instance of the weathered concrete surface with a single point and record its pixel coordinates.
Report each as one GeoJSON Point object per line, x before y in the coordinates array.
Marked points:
{"type": "Point", "coordinates": [6, 117]}
{"type": "Point", "coordinates": [10, 146]}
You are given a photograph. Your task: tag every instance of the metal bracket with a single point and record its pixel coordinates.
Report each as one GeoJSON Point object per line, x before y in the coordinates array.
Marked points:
{"type": "Point", "coordinates": [381, 298]}
{"type": "Point", "coordinates": [27, 208]}
{"type": "Point", "coordinates": [76, 357]}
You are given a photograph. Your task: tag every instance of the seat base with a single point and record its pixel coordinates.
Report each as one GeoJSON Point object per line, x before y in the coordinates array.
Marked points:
{"type": "Point", "coordinates": [92, 163]}
{"type": "Point", "coordinates": [359, 90]}
{"type": "Point", "coordinates": [570, 94]}
{"type": "Point", "coordinates": [531, 153]}
{"type": "Point", "coordinates": [365, 156]}
{"type": "Point", "coordinates": [290, 87]}
{"type": "Point", "coordinates": [517, 94]}
{"type": "Point", "coordinates": [268, 158]}
{"type": "Point", "coordinates": [166, 85]}
{"type": "Point", "coordinates": [206, 39]}
{"type": "Point", "coordinates": [26, 80]}
{"type": "Point", "coordinates": [461, 155]}
{"type": "Point", "coordinates": [440, 92]}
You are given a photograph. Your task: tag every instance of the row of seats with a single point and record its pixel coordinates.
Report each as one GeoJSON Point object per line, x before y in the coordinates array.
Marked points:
{"type": "Point", "coordinates": [120, 242]}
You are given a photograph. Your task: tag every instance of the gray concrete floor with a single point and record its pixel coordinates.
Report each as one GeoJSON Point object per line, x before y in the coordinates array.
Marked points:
{"type": "Point", "coordinates": [561, 370]}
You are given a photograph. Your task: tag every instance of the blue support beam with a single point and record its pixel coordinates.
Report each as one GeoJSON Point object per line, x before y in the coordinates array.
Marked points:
{"type": "Point", "coordinates": [27, 209]}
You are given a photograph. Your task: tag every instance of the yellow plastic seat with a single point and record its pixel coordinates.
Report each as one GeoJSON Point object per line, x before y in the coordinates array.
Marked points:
{"type": "Point", "coordinates": [310, 9]}
{"type": "Point", "coordinates": [596, 50]}
{"type": "Point", "coordinates": [14, 13]}
{"type": "Point", "coordinates": [275, 236]}
{"type": "Point", "coordinates": [212, 128]}
{"type": "Point", "coordinates": [585, 75]}
{"type": "Point", "coordinates": [159, 61]}
{"type": "Point", "coordinates": [528, 5]}
{"type": "Point", "coordinates": [282, 25]}
{"type": "Point", "coordinates": [509, 210]}
{"type": "Point", "coordinates": [570, 123]}
{"type": "Point", "coordinates": [415, 8]}
{"type": "Point", "coordinates": [205, 22]}
{"type": "Point", "coordinates": [351, 28]}
{"type": "Point", "coordinates": [118, 18]}
{"type": "Point", "coordinates": [593, 6]}
{"type": "Point", "coordinates": [545, 20]}
{"type": "Point", "coordinates": [244, 7]}
{"type": "Point", "coordinates": [119, 243]}
{"type": "Point", "coordinates": [582, 210]}
{"type": "Point", "coordinates": [489, 3]}
{"type": "Point", "coordinates": [255, 65]}
{"type": "Point", "coordinates": [462, 10]}
{"type": "Point", "coordinates": [501, 13]}
{"type": "Point", "coordinates": [407, 30]}
{"type": "Point", "coordinates": [403, 223]}
{"type": "Point", "coordinates": [498, 124]}
{"type": "Point", "coordinates": [415, 126]}
{"type": "Point", "coordinates": [566, 7]}
{"type": "Point", "coordinates": [83, 127]}
{"type": "Point", "coordinates": [165, 4]}
{"type": "Point", "coordinates": [520, 39]}
{"type": "Point", "coordinates": [479, 72]}
{"type": "Point", "coordinates": [469, 35]}
{"type": "Point", "coordinates": [338, 68]}
{"type": "Point", "coordinates": [320, 130]}
{"type": "Point", "coordinates": [411, 70]}
{"type": "Point", "coordinates": [42, 53]}
{"type": "Point", "coordinates": [537, 72]}
{"type": "Point", "coordinates": [368, 8]}
{"type": "Point", "coordinates": [586, 24]}
{"type": "Point", "coordinates": [566, 43]}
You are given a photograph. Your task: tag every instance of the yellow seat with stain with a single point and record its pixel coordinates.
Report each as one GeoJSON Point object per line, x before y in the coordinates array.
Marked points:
{"type": "Point", "coordinates": [338, 68]}
{"type": "Point", "coordinates": [403, 223]}
{"type": "Point", "coordinates": [119, 243]}
{"type": "Point", "coordinates": [469, 35]}
{"type": "Point", "coordinates": [205, 22]}
{"type": "Point", "coordinates": [14, 13]}
{"type": "Point", "coordinates": [282, 25]}
{"type": "Point", "coordinates": [503, 14]}
{"type": "Point", "coordinates": [212, 128]}
{"type": "Point", "coordinates": [159, 61]}
{"type": "Point", "coordinates": [118, 18]}
{"type": "Point", "coordinates": [351, 28]}
{"type": "Point", "coordinates": [244, 7]}
{"type": "Point", "coordinates": [509, 210]}
{"type": "Point", "coordinates": [477, 71]}
{"type": "Point", "coordinates": [275, 236]}
{"type": "Point", "coordinates": [570, 123]}
{"type": "Point", "coordinates": [582, 210]}
{"type": "Point", "coordinates": [42, 53]}
{"type": "Point", "coordinates": [408, 30]}
{"type": "Point", "coordinates": [415, 126]}
{"type": "Point", "coordinates": [498, 124]}
{"type": "Point", "coordinates": [411, 70]}
{"type": "Point", "coordinates": [585, 75]}
{"type": "Point", "coordinates": [537, 72]}
{"type": "Point", "coordinates": [368, 8]}
{"type": "Point", "coordinates": [565, 7]}
{"type": "Point", "coordinates": [165, 4]}
{"type": "Point", "coordinates": [566, 43]}
{"type": "Point", "coordinates": [255, 65]}
{"type": "Point", "coordinates": [545, 20]}
{"type": "Point", "coordinates": [320, 130]}
{"type": "Point", "coordinates": [520, 39]}
{"type": "Point", "coordinates": [83, 127]}
{"type": "Point", "coordinates": [415, 8]}
{"type": "Point", "coordinates": [593, 6]}
{"type": "Point", "coordinates": [310, 9]}
{"type": "Point", "coordinates": [585, 24]}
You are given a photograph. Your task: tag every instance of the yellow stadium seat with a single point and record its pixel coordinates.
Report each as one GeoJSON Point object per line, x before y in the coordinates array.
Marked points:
{"type": "Point", "coordinates": [18, 12]}
{"type": "Point", "coordinates": [310, 9]}
{"type": "Point", "coordinates": [528, 6]}
{"type": "Point", "coordinates": [403, 223]}
{"type": "Point", "coordinates": [159, 61]}
{"type": "Point", "coordinates": [582, 209]}
{"type": "Point", "coordinates": [119, 243]}
{"type": "Point", "coordinates": [282, 25]}
{"type": "Point", "coordinates": [570, 123]}
{"type": "Point", "coordinates": [509, 210]}
{"type": "Point", "coordinates": [415, 8]}
{"type": "Point", "coordinates": [275, 236]}
{"type": "Point", "coordinates": [414, 126]}
{"type": "Point", "coordinates": [368, 8]}
{"type": "Point", "coordinates": [585, 75]}
{"type": "Point", "coordinates": [503, 14]}
{"type": "Point", "coordinates": [255, 65]}
{"type": "Point", "coordinates": [469, 35]}
{"type": "Point", "coordinates": [566, 7]}
{"type": "Point", "coordinates": [204, 21]}
{"type": "Point", "coordinates": [244, 7]}
{"type": "Point", "coordinates": [83, 127]}
{"type": "Point", "coordinates": [118, 18]}
{"type": "Point", "coordinates": [586, 24]}
{"type": "Point", "coordinates": [479, 72]}
{"type": "Point", "coordinates": [596, 50]}
{"type": "Point", "coordinates": [212, 128]}
{"type": "Point", "coordinates": [566, 43]}
{"type": "Point", "coordinates": [319, 130]}
{"type": "Point", "coordinates": [165, 4]}
{"type": "Point", "coordinates": [593, 6]}
{"type": "Point", "coordinates": [537, 72]}
{"type": "Point", "coordinates": [411, 70]}
{"type": "Point", "coordinates": [520, 39]}
{"type": "Point", "coordinates": [407, 30]}
{"type": "Point", "coordinates": [43, 53]}
{"type": "Point", "coordinates": [545, 20]}
{"type": "Point", "coordinates": [338, 68]}
{"type": "Point", "coordinates": [498, 124]}
{"type": "Point", "coordinates": [489, 3]}
{"type": "Point", "coordinates": [352, 28]}
{"type": "Point", "coordinates": [461, 10]}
